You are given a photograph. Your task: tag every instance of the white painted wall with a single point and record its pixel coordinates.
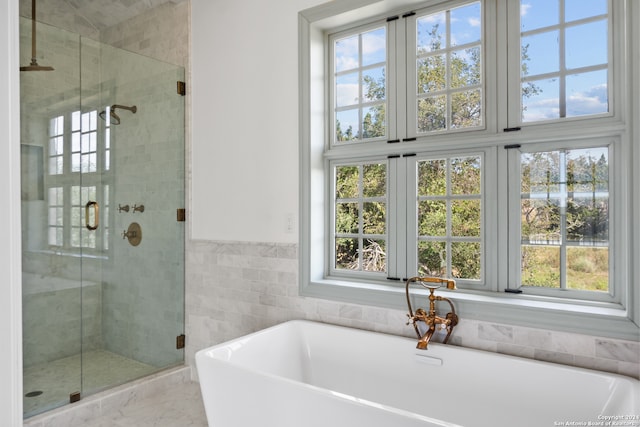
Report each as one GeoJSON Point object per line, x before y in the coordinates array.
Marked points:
{"type": "Point", "coordinates": [10, 294]}
{"type": "Point", "coordinates": [245, 119]}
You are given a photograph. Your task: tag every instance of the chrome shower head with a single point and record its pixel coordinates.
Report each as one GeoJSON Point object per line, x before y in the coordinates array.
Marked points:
{"type": "Point", "coordinates": [114, 118]}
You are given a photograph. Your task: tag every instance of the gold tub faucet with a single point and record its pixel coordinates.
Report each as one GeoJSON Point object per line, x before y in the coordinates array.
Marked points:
{"type": "Point", "coordinates": [430, 318]}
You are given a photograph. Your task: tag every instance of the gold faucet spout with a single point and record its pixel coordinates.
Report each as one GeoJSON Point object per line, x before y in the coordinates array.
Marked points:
{"type": "Point", "coordinates": [430, 318]}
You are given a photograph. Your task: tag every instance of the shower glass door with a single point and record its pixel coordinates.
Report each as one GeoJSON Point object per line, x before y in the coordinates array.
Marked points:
{"type": "Point", "coordinates": [103, 252]}
{"type": "Point", "coordinates": [52, 288]}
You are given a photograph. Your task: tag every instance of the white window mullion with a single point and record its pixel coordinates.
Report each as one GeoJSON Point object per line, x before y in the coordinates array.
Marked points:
{"type": "Point", "coordinates": [394, 262]}
{"type": "Point", "coordinates": [404, 214]}
{"type": "Point", "coordinates": [513, 105]}
{"type": "Point", "coordinates": [395, 109]}
{"type": "Point", "coordinates": [396, 81]}
{"type": "Point", "coordinates": [410, 81]}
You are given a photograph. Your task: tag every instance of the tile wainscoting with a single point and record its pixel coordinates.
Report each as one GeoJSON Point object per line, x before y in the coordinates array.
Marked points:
{"type": "Point", "coordinates": [235, 288]}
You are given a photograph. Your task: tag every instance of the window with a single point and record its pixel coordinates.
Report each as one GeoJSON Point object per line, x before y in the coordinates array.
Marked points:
{"type": "Point", "coordinates": [564, 203]}
{"type": "Point", "coordinates": [564, 47]}
{"type": "Point", "coordinates": [448, 68]}
{"type": "Point", "coordinates": [449, 211]}
{"type": "Point", "coordinates": [360, 217]}
{"type": "Point", "coordinates": [360, 85]}
{"type": "Point", "coordinates": [74, 149]}
{"type": "Point", "coordinates": [443, 150]}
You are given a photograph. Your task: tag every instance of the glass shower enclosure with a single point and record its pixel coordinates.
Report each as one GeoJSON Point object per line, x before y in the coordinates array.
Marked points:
{"type": "Point", "coordinates": [102, 144]}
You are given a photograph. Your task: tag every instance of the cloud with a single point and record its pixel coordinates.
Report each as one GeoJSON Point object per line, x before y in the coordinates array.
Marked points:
{"type": "Point", "coordinates": [347, 94]}
{"type": "Point", "coordinates": [593, 100]}
{"type": "Point", "coordinates": [524, 9]}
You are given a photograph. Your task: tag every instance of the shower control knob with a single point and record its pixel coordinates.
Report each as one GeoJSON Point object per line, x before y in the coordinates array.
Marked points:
{"type": "Point", "coordinates": [133, 234]}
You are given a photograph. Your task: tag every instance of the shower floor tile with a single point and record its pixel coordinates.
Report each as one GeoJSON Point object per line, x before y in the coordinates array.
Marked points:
{"type": "Point", "coordinates": [56, 380]}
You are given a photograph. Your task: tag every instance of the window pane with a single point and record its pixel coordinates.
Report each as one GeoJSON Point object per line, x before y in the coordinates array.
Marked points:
{"type": "Point", "coordinates": [56, 126]}
{"type": "Point", "coordinates": [347, 180]}
{"type": "Point", "coordinates": [373, 122]}
{"type": "Point", "coordinates": [586, 45]}
{"type": "Point", "coordinates": [540, 53]}
{"type": "Point", "coordinates": [361, 217]}
{"type": "Point", "coordinates": [347, 217]}
{"type": "Point", "coordinates": [360, 79]}
{"type": "Point", "coordinates": [432, 178]}
{"type": "Point", "coordinates": [465, 24]}
{"type": "Point", "coordinates": [565, 219]}
{"type": "Point", "coordinates": [441, 68]}
{"type": "Point", "coordinates": [465, 260]}
{"type": "Point", "coordinates": [374, 218]}
{"type": "Point", "coordinates": [569, 80]}
{"type": "Point", "coordinates": [579, 9]}
{"type": "Point", "coordinates": [432, 259]}
{"type": "Point", "coordinates": [347, 254]}
{"type": "Point", "coordinates": [450, 217]}
{"type": "Point", "coordinates": [432, 218]}
{"type": "Point", "coordinates": [373, 84]}
{"type": "Point", "coordinates": [75, 237]}
{"type": "Point", "coordinates": [347, 128]}
{"type": "Point", "coordinates": [465, 175]}
{"type": "Point", "coordinates": [588, 268]}
{"type": "Point", "coordinates": [432, 113]}
{"type": "Point", "coordinates": [587, 93]}
{"type": "Point", "coordinates": [75, 162]}
{"type": "Point", "coordinates": [374, 47]}
{"type": "Point", "coordinates": [75, 141]}
{"type": "Point", "coordinates": [540, 100]}
{"type": "Point", "coordinates": [431, 32]}
{"type": "Point", "coordinates": [465, 67]}
{"type": "Point", "coordinates": [540, 266]}
{"type": "Point", "coordinates": [465, 218]}
{"type": "Point", "coordinates": [540, 221]}
{"type": "Point", "coordinates": [75, 121]}
{"type": "Point", "coordinates": [538, 13]}
{"type": "Point", "coordinates": [347, 89]}
{"type": "Point", "coordinates": [431, 74]}
{"type": "Point", "coordinates": [466, 109]}
{"type": "Point", "coordinates": [375, 180]}
{"type": "Point", "coordinates": [346, 54]}
{"type": "Point", "coordinates": [374, 256]}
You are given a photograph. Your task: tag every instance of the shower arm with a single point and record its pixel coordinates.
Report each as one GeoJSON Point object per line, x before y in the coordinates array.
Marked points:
{"type": "Point", "coordinates": [33, 32]}
{"type": "Point", "coordinates": [133, 109]}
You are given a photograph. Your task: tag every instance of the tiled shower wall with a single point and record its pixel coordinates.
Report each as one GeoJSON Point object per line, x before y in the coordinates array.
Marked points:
{"type": "Point", "coordinates": [235, 288]}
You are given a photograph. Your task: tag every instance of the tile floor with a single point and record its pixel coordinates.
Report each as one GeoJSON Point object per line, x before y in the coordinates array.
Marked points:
{"type": "Point", "coordinates": [179, 406]}
{"type": "Point", "coordinates": [165, 399]}
{"type": "Point", "coordinates": [57, 379]}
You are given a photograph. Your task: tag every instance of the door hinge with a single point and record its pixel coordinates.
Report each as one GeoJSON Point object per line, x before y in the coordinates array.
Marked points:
{"type": "Point", "coordinates": [181, 215]}
{"type": "Point", "coordinates": [180, 339]}
{"type": "Point", "coordinates": [182, 88]}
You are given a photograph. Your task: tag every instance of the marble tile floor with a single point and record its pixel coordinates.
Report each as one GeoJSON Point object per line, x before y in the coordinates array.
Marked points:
{"type": "Point", "coordinates": [57, 379]}
{"type": "Point", "coordinates": [178, 406]}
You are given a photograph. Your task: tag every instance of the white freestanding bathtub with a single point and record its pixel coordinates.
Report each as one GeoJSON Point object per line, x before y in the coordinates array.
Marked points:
{"type": "Point", "coordinates": [303, 373]}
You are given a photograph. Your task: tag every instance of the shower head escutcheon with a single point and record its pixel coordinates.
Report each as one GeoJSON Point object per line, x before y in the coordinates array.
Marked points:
{"type": "Point", "coordinates": [115, 118]}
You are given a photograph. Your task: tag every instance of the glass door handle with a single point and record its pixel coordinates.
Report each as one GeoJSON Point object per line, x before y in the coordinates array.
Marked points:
{"type": "Point", "coordinates": [96, 215]}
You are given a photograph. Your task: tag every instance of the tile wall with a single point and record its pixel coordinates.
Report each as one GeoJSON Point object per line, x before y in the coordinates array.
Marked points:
{"type": "Point", "coordinates": [235, 288]}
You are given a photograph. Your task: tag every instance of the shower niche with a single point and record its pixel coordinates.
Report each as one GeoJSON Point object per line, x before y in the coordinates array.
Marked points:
{"type": "Point", "coordinates": [97, 311]}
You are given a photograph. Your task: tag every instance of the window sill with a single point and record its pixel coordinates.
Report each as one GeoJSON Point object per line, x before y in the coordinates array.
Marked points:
{"type": "Point", "coordinates": [589, 318]}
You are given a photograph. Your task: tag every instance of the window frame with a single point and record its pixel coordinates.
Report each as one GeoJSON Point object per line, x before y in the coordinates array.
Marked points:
{"type": "Point", "coordinates": [611, 319]}
{"type": "Point", "coordinates": [615, 293]}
